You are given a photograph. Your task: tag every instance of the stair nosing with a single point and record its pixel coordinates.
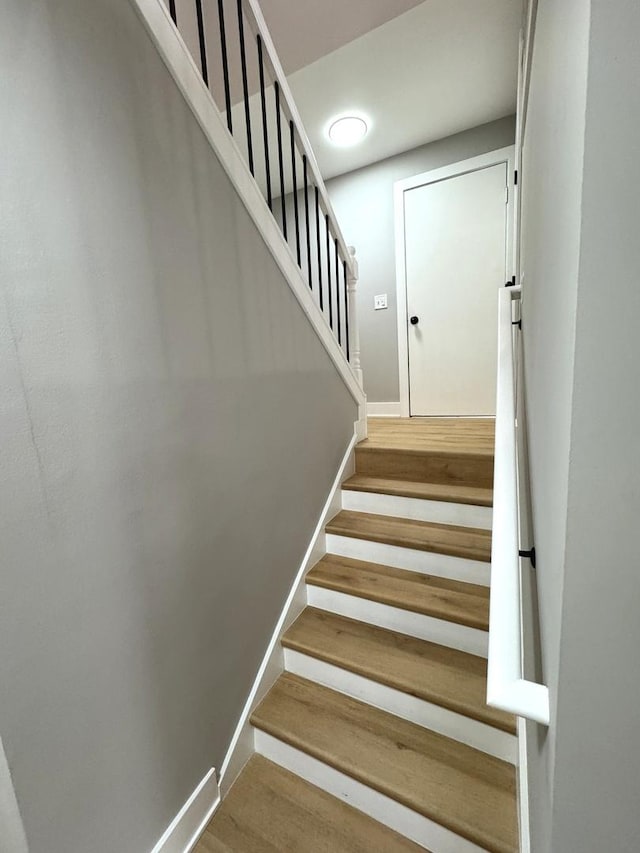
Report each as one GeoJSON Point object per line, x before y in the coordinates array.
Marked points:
{"type": "Point", "coordinates": [402, 491]}
{"type": "Point", "coordinates": [432, 612]}
{"type": "Point", "coordinates": [461, 552]}
{"type": "Point", "coordinates": [415, 451]}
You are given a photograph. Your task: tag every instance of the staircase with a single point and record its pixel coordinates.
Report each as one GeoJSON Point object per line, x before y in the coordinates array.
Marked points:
{"type": "Point", "coordinates": [377, 736]}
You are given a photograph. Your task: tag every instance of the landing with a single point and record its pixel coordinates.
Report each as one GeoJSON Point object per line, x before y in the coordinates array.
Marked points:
{"type": "Point", "coordinates": [464, 435]}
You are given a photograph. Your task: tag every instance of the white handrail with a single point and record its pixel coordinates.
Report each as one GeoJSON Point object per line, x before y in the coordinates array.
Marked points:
{"type": "Point", "coordinates": [507, 689]}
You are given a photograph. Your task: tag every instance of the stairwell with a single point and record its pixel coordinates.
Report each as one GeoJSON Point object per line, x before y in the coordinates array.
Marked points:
{"type": "Point", "coordinates": [377, 736]}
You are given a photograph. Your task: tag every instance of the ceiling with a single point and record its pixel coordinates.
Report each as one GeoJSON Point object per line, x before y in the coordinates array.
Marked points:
{"type": "Point", "coordinates": [419, 72]}
{"type": "Point", "coordinates": [306, 30]}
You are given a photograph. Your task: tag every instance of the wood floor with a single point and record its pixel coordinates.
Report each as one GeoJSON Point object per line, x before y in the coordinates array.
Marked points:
{"type": "Point", "coordinates": [462, 435]}
{"type": "Point", "coordinates": [270, 810]}
{"type": "Point", "coordinates": [379, 698]}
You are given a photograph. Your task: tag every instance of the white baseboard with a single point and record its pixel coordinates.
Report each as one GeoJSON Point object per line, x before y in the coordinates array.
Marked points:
{"type": "Point", "coordinates": [456, 726]}
{"type": "Point", "coordinates": [378, 806]}
{"type": "Point", "coordinates": [12, 835]}
{"type": "Point", "coordinates": [383, 410]}
{"type": "Point", "coordinates": [188, 825]}
{"type": "Point", "coordinates": [242, 743]}
{"type": "Point", "coordinates": [523, 788]}
{"type": "Point", "coordinates": [411, 559]}
{"type": "Point", "coordinates": [440, 631]}
{"type": "Point", "coordinates": [418, 509]}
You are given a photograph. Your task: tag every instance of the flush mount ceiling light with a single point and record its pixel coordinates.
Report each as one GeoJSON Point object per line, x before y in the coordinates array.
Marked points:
{"type": "Point", "coordinates": [347, 130]}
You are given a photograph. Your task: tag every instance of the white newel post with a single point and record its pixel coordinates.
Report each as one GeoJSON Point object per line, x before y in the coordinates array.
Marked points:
{"type": "Point", "coordinates": [354, 331]}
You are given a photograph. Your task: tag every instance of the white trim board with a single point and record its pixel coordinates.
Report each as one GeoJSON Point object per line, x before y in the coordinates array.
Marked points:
{"type": "Point", "coordinates": [418, 509]}
{"type": "Point", "coordinates": [12, 834]}
{"type": "Point", "coordinates": [524, 824]}
{"type": "Point", "coordinates": [272, 666]}
{"type": "Point", "coordinates": [188, 825]}
{"type": "Point", "coordinates": [456, 726]}
{"type": "Point", "coordinates": [378, 806]}
{"type": "Point", "coordinates": [482, 161]}
{"type": "Point", "coordinates": [411, 559]}
{"type": "Point", "coordinates": [383, 410]}
{"type": "Point", "coordinates": [155, 16]}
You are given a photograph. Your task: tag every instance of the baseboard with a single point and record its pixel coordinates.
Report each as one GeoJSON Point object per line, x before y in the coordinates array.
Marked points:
{"type": "Point", "coordinates": [242, 743]}
{"type": "Point", "coordinates": [523, 788]}
{"type": "Point", "coordinates": [383, 410]}
{"type": "Point", "coordinates": [187, 826]}
{"type": "Point", "coordinates": [12, 835]}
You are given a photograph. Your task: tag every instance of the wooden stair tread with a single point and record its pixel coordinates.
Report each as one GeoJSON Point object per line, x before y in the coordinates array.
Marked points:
{"type": "Point", "coordinates": [467, 791]}
{"type": "Point", "coordinates": [447, 677]}
{"type": "Point", "coordinates": [450, 493]}
{"type": "Point", "coordinates": [462, 435]}
{"type": "Point", "coordinates": [270, 810]}
{"type": "Point", "coordinates": [453, 601]}
{"type": "Point", "coordinates": [453, 540]}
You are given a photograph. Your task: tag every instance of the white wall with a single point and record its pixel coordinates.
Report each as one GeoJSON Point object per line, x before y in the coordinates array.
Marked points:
{"type": "Point", "coordinates": [170, 427]}
{"type": "Point", "coordinates": [363, 201]}
{"type": "Point", "coordinates": [581, 177]}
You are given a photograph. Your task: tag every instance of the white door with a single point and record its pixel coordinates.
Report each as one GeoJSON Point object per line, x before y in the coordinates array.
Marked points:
{"type": "Point", "coordinates": [455, 262]}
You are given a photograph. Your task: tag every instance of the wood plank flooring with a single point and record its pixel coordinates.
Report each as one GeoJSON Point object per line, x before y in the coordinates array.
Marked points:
{"type": "Point", "coordinates": [469, 792]}
{"type": "Point", "coordinates": [453, 601]}
{"type": "Point", "coordinates": [468, 542]}
{"type": "Point", "coordinates": [444, 676]}
{"type": "Point", "coordinates": [426, 491]}
{"type": "Point", "coordinates": [460, 435]}
{"type": "Point", "coordinates": [270, 810]}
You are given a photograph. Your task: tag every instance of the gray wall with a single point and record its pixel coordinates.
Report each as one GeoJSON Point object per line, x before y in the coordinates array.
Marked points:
{"type": "Point", "coordinates": [363, 201]}
{"type": "Point", "coordinates": [581, 310]}
{"type": "Point", "coordinates": [170, 426]}
{"type": "Point", "coordinates": [551, 201]}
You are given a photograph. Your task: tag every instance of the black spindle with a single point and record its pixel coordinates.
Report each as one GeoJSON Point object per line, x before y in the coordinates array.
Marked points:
{"type": "Point", "coordinates": [245, 86]}
{"type": "Point", "coordinates": [172, 10]}
{"type": "Point", "coordinates": [203, 46]}
{"type": "Point", "coordinates": [337, 260]}
{"type": "Point", "coordinates": [276, 88]}
{"type": "Point", "coordinates": [294, 176]}
{"type": "Point", "coordinates": [265, 128]}
{"type": "Point", "coordinates": [306, 218]}
{"type": "Point", "coordinates": [225, 64]}
{"type": "Point", "coordinates": [318, 249]}
{"type": "Point", "coordinates": [328, 235]}
{"type": "Point", "coordinates": [346, 308]}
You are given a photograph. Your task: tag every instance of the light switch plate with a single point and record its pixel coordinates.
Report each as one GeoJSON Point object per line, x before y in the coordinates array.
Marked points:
{"type": "Point", "coordinates": [379, 301]}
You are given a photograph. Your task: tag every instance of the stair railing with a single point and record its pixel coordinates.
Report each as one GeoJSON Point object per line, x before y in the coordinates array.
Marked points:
{"type": "Point", "coordinates": [230, 44]}
{"type": "Point", "coordinates": [507, 688]}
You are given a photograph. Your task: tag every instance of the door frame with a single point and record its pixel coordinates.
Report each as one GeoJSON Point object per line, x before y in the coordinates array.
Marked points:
{"type": "Point", "coordinates": [473, 164]}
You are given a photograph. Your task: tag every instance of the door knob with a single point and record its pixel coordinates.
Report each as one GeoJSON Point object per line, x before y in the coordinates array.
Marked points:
{"type": "Point", "coordinates": [414, 321]}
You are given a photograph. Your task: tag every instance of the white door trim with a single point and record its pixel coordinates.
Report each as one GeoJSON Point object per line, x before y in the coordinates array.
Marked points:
{"type": "Point", "coordinates": [482, 161]}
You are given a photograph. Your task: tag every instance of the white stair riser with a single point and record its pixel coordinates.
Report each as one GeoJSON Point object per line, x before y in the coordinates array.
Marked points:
{"type": "Point", "coordinates": [439, 631]}
{"type": "Point", "coordinates": [378, 806]}
{"type": "Point", "coordinates": [449, 723]}
{"type": "Point", "coordinates": [425, 562]}
{"type": "Point", "coordinates": [417, 509]}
